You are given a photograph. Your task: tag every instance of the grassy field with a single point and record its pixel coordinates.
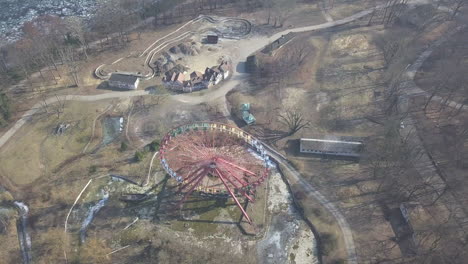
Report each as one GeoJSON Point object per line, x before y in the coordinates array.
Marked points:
{"type": "Point", "coordinates": [36, 151]}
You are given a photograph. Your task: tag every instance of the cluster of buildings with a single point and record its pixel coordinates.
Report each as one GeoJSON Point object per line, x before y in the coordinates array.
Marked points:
{"type": "Point", "coordinates": [197, 80]}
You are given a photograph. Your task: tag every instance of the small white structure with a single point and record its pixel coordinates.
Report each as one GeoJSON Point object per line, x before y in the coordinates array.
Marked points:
{"type": "Point", "coordinates": [224, 69]}
{"type": "Point", "coordinates": [124, 81]}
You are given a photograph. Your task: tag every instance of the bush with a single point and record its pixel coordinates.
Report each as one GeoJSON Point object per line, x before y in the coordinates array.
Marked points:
{"type": "Point", "coordinates": [133, 235]}
{"type": "Point", "coordinates": [123, 146]}
{"type": "Point", "coordinates": [154, 146]}
{"type": "Point", "coordinates": [92, 169]}
{"type": "Point", "coordinates": [5, 113]}
{"type": "Point", "coordinates": [139, 156]}
{"type": "Point", "coordinates": [328, 243]}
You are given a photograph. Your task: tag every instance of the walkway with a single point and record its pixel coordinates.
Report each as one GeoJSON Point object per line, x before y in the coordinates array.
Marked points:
{"type": "Point", "coordinates": [316, 195]}
{"type": "Point", "coordinates": [237, 78]}
{"type": "Point", "coordinates": [246, 47]}
{"type": "Point", "coordinates": [424, 165]}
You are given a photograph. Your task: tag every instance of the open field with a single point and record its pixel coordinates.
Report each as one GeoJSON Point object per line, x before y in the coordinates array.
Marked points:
{"type": "Point", "coordinates": [45, 150]}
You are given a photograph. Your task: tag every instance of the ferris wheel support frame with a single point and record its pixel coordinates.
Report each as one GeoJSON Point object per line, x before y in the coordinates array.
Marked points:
{"type": "Point", "coordinates": [233, 174]}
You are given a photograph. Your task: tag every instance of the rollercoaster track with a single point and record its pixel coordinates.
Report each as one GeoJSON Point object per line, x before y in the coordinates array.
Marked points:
{"type": "Point", "coordinates": [153, 52]}
{"type": "Point", "coordinates": [150, 52]}
{"type": "Point", "coordinates": [350, 247]}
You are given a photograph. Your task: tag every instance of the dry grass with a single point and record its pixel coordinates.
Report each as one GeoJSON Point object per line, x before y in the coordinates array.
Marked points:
{"type": "Point", "coordinates": [35, 151]}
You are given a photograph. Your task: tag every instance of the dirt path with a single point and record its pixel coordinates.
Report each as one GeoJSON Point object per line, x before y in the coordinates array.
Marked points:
{"type": "Point", "coordinates": [411, 88]}
{"type": "Point", "coordinates": [249, 46]}
{"type": "Point", "coordinates": [312, 191]}
{"type": "Point", "coordinates": [246, 47]}
{"type": "Point", "coordinates": [425, 166]}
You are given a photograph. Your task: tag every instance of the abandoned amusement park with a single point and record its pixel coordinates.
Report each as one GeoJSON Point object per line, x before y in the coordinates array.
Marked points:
{"type": "Point", "coordinates": [234, 131]}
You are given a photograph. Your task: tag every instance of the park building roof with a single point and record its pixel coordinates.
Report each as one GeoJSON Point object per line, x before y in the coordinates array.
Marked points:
{"type": "Point", "coordinates": [123, 81]}
{"type": "Point", "coordinates": [123, 78]}
{"type": "Point", "coordinates": [335, 146]}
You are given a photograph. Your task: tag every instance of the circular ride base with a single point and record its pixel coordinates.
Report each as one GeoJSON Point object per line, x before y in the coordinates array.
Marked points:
{"type": "Point", "coordinates": [214, 159]}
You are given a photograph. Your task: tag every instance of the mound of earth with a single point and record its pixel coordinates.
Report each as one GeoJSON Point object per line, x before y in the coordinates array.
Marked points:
{"type": "Point", "coordinates": [174, 49]}
{"type": "Point", "coordinates": [351, 45]}
{"type": "Point", "coordinates": [168, 66]}
{"type": "Point", "coordinates": [189, 48]}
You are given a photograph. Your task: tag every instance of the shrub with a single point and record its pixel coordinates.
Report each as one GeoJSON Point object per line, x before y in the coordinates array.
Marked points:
{"type": "Point", "coordinates": [328, 243]}
{"type": "Point", "coordinates": [123, 146]}
{"type": "Point", "coordinates": [154, 146]}
{"type": "Point", "coordinates": [5, 113]}
{"type": "Point", "coordinates": [92, 169]}
{"type": "Point", "coordinates": [139, 156]}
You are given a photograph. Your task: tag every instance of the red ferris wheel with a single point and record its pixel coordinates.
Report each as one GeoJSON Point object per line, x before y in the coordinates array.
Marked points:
{"type": "Point", "coordinates": [214, 159]}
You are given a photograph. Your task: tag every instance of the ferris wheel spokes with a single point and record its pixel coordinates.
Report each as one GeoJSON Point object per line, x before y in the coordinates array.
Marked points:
{"type": "Point", "coordinates": [221, 177]}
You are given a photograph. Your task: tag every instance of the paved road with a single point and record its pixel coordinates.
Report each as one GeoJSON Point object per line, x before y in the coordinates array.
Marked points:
{"type": "Point", "coordinates": [253, 44]}
{"type": "Point", "coordinates": [246, 47]}
{"type": "Point", "coordinates": [249, 46]}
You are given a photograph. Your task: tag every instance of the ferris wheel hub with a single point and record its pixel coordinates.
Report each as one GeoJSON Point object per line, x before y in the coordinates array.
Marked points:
{"type": "Point", "coordinates": [213, 164]}
{"type": "Point", "coordinates": [215, 159]}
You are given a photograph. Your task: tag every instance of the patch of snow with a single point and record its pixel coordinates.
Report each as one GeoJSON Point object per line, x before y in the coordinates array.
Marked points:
{"type": "Point", "coordinates": [92, 212]}
{"type": "Point", "coordinates": [279, 196]}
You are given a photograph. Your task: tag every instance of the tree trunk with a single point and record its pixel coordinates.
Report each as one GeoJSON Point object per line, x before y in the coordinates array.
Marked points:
{"type": "Point", "coordinates": [429, 100]}
{"type": "Point", "coordinates": [370, 19]}
{"type": "Point", "coordinates": [457, 9]}
{"type": "Point", "coordinates": [269, 16]}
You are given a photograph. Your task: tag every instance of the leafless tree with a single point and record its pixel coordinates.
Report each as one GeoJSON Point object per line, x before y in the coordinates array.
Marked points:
{"type": "Point", "coordinates": [55, 108]}
{"type": "Point", "coordinates": [294, 120]}
{"type": "Point", "coordinates": [278, 10]}
{"type": "Point", "coordinates": [76, 29]}
{"type": "Point", "coordinates": [71, 61]}
{"type": "Point", "coordinates": [95, 250]}
{"type": "Point", "coordinates": [457, 5]}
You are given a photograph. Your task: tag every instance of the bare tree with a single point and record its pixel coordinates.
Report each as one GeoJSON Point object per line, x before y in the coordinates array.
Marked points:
{"type": "Point", "coordinates": [70, 59]}
{"type": "Point", "coordinates": [294, 120]}
{"type": "Point", "coordinates": [76, 33]}
{"type": "Point", "coordinates": [55, 108]}
{"type": "Point", "coordinates": [457, 6]}
{"type": "Point", "coordinates": [53, 243]}
{"type": "Point", "coordinates": [278, 10]}
{"type": "Point", "coordinates": [95, 251]}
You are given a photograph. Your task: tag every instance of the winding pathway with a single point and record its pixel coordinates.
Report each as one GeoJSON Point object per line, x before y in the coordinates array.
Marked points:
{"type": "Point", "coordinates": [316, 195]}
{"type": "Point", "coordinates": [424, 164]}
{"type": "Point", "coordinates": [249, 46]}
